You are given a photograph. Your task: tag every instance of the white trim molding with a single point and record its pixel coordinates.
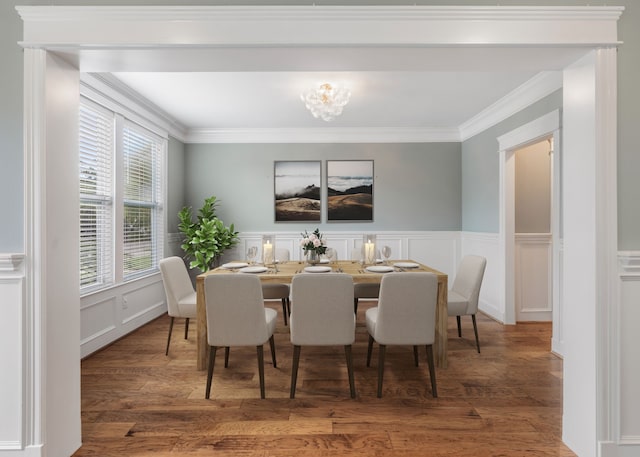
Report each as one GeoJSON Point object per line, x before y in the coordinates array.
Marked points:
{"type": "Point", "coordinates": [69, 26]}
{"type": "Point", "coordinates": [11, 262]}
{"type": "Point", "coordinates": [536, 88]}
{"type": "Point", "coordinates": [324, 135]}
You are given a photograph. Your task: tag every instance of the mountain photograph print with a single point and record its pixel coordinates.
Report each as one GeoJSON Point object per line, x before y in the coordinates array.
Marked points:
{"type": "Point", "coordinates": [349, 190]}
{"type": "Point", "coordinates": [297, 191]}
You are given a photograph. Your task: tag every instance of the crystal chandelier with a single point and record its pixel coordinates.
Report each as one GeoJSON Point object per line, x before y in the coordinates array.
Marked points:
{"type": "Point", "coordinates": [326, 102]}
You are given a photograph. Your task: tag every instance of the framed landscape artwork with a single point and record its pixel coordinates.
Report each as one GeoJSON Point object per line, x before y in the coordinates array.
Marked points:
{"type": "Point", "coordinates": [297, 190]}
{"type": "Point", "coordinates": [349, 190]}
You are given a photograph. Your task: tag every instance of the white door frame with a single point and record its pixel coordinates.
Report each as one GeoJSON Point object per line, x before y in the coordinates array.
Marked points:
{"type": "Point", "coordinates": [536, 130]}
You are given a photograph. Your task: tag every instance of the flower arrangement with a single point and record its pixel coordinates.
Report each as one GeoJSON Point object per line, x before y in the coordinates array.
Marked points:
{"type": "Point", "coordinates": [313, 242]}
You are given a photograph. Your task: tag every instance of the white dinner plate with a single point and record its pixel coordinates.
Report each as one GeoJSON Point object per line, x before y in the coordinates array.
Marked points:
{"type": "Point", "coordinates": [317, 269]}
{"type": "Point", "coordinates": [232, 265]}
{"type": "Point", "coordinates": [406, 265]}
{"type": "Point", "coordinates": [324, 261]}
{"type": "Point", "coordinates": [253, 269]}
{"type": "Point", "coordinates": [379, 269]}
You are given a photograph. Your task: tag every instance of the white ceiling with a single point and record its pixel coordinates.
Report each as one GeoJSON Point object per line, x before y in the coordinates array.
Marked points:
{"type": "Point", "coordinates": [272, 99]}
{"type": "Point", "coordinates": [392, 87]}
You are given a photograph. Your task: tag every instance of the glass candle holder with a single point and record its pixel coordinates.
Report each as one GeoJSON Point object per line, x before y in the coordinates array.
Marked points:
{"type": "Point", "coordinates": [369, 249]}
{"type": "Point", "coordinates": [268, 249]}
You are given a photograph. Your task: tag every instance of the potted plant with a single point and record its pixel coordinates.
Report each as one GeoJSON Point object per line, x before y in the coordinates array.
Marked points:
{"type": "Point", "coordinates": [206, 238]}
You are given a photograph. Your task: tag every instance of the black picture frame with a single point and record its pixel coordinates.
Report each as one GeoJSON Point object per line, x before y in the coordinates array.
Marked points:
{"type": "Point", "coordinates": [297, 186]}
{"type": "Point", "coordinates": [350, 190]}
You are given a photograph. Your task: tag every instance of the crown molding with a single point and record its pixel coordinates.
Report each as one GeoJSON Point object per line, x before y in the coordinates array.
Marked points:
{"type": "Point", "coordinates": [323, 135]}
{"type": "Point", "coordinates": [125, 100]}
{"type": "Point", "coordinates": [538, 87]}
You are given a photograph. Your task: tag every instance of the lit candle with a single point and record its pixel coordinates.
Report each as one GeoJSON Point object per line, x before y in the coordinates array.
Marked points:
{"type": "Point", "coordinates": [369, 255]}
{"type": "Point", "coordinates": [267, 253]}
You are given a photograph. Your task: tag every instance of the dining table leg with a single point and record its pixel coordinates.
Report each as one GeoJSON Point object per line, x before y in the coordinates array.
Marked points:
{"type": "Point", "coordinates": [440, 345]}
{"type": "Point", "coordinates": [201, 325]}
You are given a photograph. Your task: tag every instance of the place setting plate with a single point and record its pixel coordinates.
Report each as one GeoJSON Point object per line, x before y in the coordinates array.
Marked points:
{"type": "Point", "coordinates": [234, 265]}
{"type": "Point", "coordinates": [379, 269]}
{"type": "Point", "coordinates": [317, 269]}
{"type": "Point", "coordinates": [255, 269]}
{"type": "Point", "coordinates": [406, 265]}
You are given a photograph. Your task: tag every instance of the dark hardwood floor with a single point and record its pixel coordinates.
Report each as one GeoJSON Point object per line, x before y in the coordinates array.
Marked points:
{"type": "Point", "coordinates": [506, 401]}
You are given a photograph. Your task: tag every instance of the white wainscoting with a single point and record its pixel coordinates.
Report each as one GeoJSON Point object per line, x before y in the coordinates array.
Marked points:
{"type": "Point", "coordinates": [436, 249]}
{"type": "Point", "coordinates": [628, 343]}
{"type": "Point", "coordinates": [12, 351]}
{"type": "Point", "coordinates": [492, 291]}
{"type": "Point", "coordinates": [533, 277]}
{"type": "Point", "coordinates": [109, 314]}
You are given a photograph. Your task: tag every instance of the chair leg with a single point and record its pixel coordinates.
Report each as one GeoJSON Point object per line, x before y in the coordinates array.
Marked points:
{"type": "Point", "coordinates": [186, 328]}
{"type": "Point", "coordinates": [294, 371]}
{"type": "Point", "coordinates": [169, 338]}
{"type": "Point", "coordinates": [459, 327]}
{"type": "Point", "coordinates": [284, 310]}
{"type": "Point", "coordinates": [226, 357]}
{"type": "Point", "coordinates": [352, 384]}
{"type": "Point", "coordinates": [382, 350]}
{"type": "Point", "coordinates": [272, 345]}
{"type": "Point", "coordinates": [355, 305]}
{"type": "Point", "coordinates": [432, 370]}
{"type": "Point", "coordinates": [475, 330]}
{"type": "Point", "coordinates": [369, 349]}
{"type": "Point", "coordinates": [288, 306]}
{"type": "Point", "coordinates": [212, 361]}
{"type": "Point", "coordinates": [415, 355]}
{"type": "Point", "coordinates": [261, 369]}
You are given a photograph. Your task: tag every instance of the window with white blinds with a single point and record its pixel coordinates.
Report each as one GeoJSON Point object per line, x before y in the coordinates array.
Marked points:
{"type": "Point", "coordinates": [142, 234]}
{"type": "Point", "coordinates": [121, 189]}
{"type": "Point", "coordinates": [96, 127]}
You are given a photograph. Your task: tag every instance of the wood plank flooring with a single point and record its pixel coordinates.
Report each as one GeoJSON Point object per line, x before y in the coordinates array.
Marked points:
{"type": "Point", "coordinates": [506, 401]}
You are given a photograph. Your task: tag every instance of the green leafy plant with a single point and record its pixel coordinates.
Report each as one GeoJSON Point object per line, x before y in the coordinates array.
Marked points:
{"type": "Point", "coordinates": [206, 238]}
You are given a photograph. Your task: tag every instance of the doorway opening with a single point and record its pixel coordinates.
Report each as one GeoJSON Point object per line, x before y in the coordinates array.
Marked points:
{"type": "Point", "coordinates": [533, 236]}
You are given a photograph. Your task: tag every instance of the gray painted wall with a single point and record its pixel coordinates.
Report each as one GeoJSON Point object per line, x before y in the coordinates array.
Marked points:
{"type": "Point", "coordinates": [416, 185]}
{"type": "Point", "coordinates": [480, 167]}
{"type": "Point", "coordinates": [479, 207]}
{"type": "Point", "coordinates": [175, 183]}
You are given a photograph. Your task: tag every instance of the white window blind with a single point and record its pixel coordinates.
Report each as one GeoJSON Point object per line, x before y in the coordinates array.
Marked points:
{"type": "Point", "coordinates": [142, 191]}
{"type": "Point", "coordinates": [96, 127]}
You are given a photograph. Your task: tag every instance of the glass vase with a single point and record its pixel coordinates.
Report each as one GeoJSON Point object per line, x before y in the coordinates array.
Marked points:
{"type": "Point", "coordinates": [312, 257]}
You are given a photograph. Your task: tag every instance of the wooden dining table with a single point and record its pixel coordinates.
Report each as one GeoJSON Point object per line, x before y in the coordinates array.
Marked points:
{"type": "Point", "coordinates": [283, 273]}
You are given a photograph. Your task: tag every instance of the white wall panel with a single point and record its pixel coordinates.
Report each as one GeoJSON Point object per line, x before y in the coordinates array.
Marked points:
{"type": "Point", "coordinates": [491, 295]}
{"type": "Point", "coordinates": [11, 354]}
{"type": "Point", "coordinates": [533, 277]}
{"type": "Point", "coordinates": [629, 341]}
{"type": "Point", "coordinates": [97, 317]}
{"type": "Point", "coordinates": [112, 313]}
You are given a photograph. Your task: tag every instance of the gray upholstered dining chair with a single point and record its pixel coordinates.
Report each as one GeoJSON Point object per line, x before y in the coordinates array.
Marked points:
{"type": "Point", "coordinates": [279, 291]}
{"type": "Point", "coordinates": [369, 291]}
{"type": "Point", "coordinates": [181, 296]}
{"type": "Point", "coordinates": [405, 315]}
{"type": "Point", "coordinates": [236, 316]}
{"type": "Point", "coordinates": [465, 292]}
{"type": "Point", "coordinates": [321, 315]}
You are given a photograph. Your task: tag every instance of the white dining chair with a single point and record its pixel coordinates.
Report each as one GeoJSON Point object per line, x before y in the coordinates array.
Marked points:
{"type": "Point", "coordinates": [369, 291]}
{"type": "Point", "coordinates": [181, 296]}
{"type": "Point", "coordinates": [236, 316]}
{"type": "Point", "coordinates": [405, 315]}
{"type": "Point", "coordinates": [465, 293]}
{"type": "Point", "coordinates": [279, 291]}
{"type": "Point", "coordinates": [322, 315]}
